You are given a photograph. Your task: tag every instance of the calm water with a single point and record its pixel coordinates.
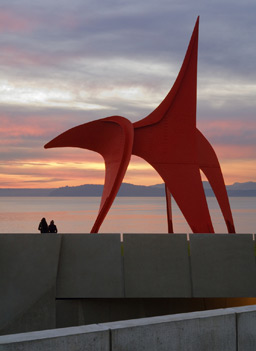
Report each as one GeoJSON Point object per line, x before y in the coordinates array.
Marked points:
{"type": "Point", "coordinates": [127, 215]}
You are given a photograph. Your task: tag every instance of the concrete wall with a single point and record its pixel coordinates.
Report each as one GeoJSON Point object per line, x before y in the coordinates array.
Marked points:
{"type": "Point", "coordinates": [28, 271]}
{"type": "Point", "coordinates": [230, 329]}
{"type": "Point", "coordinates": [211, 331]}
{"type": "Point", "coordinates": [90, 266]}
{"type": "Point", "coordinates": [156, 265]}
{"type": "Point", "coordinates": [223, 265]}
{"type": "Point", "coordinates": [97, 278]}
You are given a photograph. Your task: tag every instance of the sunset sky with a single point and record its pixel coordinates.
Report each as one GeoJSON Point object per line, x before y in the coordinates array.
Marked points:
{"type": "Point", "coordinates": [64, 63]}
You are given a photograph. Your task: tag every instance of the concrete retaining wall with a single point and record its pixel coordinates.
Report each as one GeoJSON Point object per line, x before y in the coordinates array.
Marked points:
{"type": "Point", "coordinates": [28, 271]}
{"type": "Point", "coordinates": [90, 266]}
{"type": "Point", "coordinates": [156, 265]}
{"type": "Point", "coordinates": [222, 265]}
{"type": "Point", "coordinates": [230, 329]}
{"type": "Point", "coordinates": [89, 274]}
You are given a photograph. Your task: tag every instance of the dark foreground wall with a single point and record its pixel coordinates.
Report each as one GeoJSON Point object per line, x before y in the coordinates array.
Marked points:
{"type": "Point", "coordinates": [49, 280]}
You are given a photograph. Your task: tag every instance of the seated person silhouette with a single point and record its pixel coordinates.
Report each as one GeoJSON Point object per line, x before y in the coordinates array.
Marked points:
{"type": "Point", "coordinates": [52, 227]}
{"type": "Point", "coordinates": [43, 226]}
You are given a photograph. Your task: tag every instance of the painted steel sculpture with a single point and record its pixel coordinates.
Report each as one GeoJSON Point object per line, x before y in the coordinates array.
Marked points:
{"type": "Point", "coordinates": [168, 140]}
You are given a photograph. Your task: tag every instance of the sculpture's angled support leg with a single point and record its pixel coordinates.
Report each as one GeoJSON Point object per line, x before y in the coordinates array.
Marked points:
{"type": "Point", "coordinates": [209, 164]}
{"type": "Point", "coordinates": [184, 183]}
{"type": "Point", "coordinates": [167, 140]}
{"type": "Point", "coordinates": [169, 209]}
{"type": "Point", "coordinates": [111, 137]}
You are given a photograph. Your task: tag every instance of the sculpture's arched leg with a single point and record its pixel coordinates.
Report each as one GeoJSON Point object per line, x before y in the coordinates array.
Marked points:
{"type": "Point", "coordinates": [169, 209]}
{"type": "Point", "coordinates": [112, 137]}
{"type": "Point", "coordinates": [209, 164]}
{"type": "Point", "coordinates": [185, 185]}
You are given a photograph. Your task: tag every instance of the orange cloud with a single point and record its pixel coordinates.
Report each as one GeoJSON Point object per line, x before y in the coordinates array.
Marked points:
{"type": "Point", "coordinates": [15, 130]}
{"type": "Point", "coordinates": [239, 170]}
{"type": "Point", "coordinates": [234, 151]}
{"type": "Point", "coordinates": [234, 127]}
{"type": "Point", "coordinates": [30, 126]}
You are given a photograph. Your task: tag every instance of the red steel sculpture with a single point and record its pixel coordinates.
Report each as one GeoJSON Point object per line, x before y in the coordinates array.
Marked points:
{"type": "Point", "coordinates": [169, 140]}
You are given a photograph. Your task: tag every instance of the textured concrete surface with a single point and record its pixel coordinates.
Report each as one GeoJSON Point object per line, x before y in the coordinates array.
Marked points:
{"type": "Point", "coordinates": [90, 266]}
{"type": "Point", "coordinates": [198, 331]}
{"type": "Point", "coordinates": [89, 338]}
{"type": "Point", "coordinates": [231, 329]}
{"type": "Point", "coordinates": [156, 265]}
{"type": "Point", "coordinates": [246, 328]}
{"type": "Point", "coordinates": [223, 265]}
{"type": "Point", "coordinates": [28, 271]}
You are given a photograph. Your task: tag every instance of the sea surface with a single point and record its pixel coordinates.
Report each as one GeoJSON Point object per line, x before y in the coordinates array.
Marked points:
{"type": "Point", "coordinates": [127, 215]}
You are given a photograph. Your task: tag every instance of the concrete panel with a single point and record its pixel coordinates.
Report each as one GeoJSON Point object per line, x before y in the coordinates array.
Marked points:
{"type": "Point", "coordinates": [223, 265]}
{"type": "Point", "coordinates": [89, 338]}
{"type": "Point", "coordinates": [198, 331]}
{"type": "Point", "coordinates": [41, 315]}
{"type": "Point", "coordinates": [90, 266]}
{"type": "Point", "coordinates": [156, 265]}
{"type": "Point", "coordinates": [28, 270]}
{"type": "Point", "coordinates": [246, 328]}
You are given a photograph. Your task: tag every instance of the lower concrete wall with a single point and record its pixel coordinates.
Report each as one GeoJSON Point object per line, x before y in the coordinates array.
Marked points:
{"type": "Point", "coordinates": [246, 328]}
{"type": "Point", "coordinates": [232, 329]}
{"type": "Point", "coordinates": [86, 338]}
{"type": "Point", "coordinates": [211, 331]}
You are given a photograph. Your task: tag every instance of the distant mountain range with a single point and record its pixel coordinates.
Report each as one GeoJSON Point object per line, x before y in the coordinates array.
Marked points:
{"type": "Point", "coordinates": [126, 189]}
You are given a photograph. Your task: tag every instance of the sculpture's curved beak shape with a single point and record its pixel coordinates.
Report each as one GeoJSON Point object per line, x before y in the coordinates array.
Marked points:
{"type": "Point", "coordinates": [167, 139]}
{"type": "Point", "coordinates": [111, 137]}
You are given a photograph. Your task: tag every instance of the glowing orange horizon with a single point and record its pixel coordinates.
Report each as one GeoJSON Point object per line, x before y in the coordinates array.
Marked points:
{"type": "Point", "coordinates": [49, 174]}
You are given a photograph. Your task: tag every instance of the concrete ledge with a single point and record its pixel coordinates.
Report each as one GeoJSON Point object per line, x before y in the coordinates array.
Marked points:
{"type": "Point", "coordinates": [89, 338]}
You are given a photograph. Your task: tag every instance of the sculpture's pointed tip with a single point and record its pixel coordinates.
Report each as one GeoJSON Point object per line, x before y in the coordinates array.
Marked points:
{"type": "Point", "coordinates": [56, 142]}
{"type": "Point", "coordinates": [197, 23]}
{"type": "Point", "coordinates": [48, 145]}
